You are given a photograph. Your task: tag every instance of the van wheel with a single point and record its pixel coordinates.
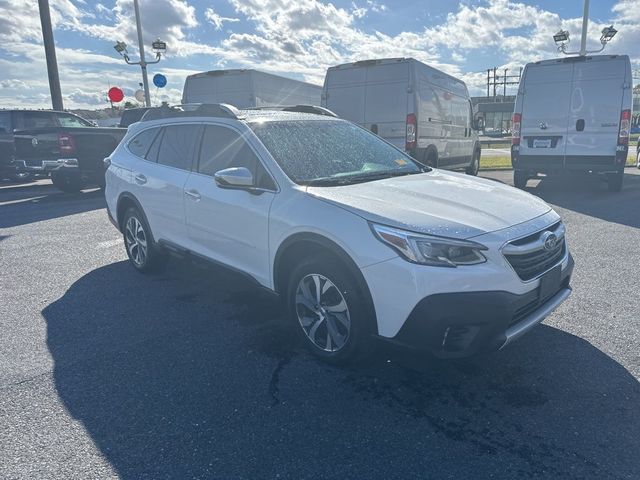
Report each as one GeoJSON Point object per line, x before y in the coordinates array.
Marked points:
{"type": "Point", "coordinates": [69, 182]}
{"type": "Point", "coordinates": [474, 168]}
{"type": "Point", "coordinates": [614, 181]}
{"type": "Point", "coordinates": [520, 178]}
{"type": "Point", "coordinates": [429, 158]}
{"type": "Point", "coordinates": [328, 310]}
{"type": "Point", "coordinates": [142, 251]}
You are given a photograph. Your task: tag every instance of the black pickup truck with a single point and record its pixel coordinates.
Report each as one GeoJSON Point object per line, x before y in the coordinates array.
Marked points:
{"type": "Point", "coordinates": [65, 145]}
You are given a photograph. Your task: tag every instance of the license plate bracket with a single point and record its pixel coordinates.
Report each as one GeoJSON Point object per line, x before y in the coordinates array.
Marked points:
{"type": "Point", "coordinates": [550, 283]}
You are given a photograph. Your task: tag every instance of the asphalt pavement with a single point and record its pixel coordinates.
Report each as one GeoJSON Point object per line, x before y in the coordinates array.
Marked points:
{"type": "Point", "coordinates": [194, 373]}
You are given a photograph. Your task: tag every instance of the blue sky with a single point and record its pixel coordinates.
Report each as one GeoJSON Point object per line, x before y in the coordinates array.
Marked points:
{"type": "Point", "coordinates": [297, 38]}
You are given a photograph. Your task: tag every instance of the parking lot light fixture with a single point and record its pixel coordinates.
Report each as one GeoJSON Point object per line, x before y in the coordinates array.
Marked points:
{"type": "Point", "coordinates": [561, 38]}
{"type": "Point", "coordinates": [607, 34]}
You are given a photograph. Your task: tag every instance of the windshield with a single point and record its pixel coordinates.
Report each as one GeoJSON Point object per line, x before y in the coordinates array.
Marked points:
{"type": "Point", "coordinates": [331, 152]}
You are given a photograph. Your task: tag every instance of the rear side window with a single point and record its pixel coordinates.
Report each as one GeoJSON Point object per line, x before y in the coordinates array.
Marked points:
{"type": "Point", "coordinates": [177, 145]}
{"type": "Point", "coordinates": [5, 122]}
{"type": "Point", "coordinates": [71, 121]}
{"type": "Point", "coordinates": [224, 148]}
{"type": "Point", "coordinates": [39, 120]}
{"type": "Point", "coordinates": [140, 144]}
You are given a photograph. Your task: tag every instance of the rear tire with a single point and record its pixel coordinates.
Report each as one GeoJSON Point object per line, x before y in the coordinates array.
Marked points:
{"type": "Point", "coordinates": [474, 168]}
{"type": "Point", "coordinates": [143, 253]}
{"type": "Point", "coordinates": [66, 181]}
{"type": "Point", "coordinates": [21, 177]}
{"type": "Point", "coordinates": [334, 328]}
{"type": "Point", "coordinates": [615, 180]}
{"type": "Point", "coordinates": [520, 178]}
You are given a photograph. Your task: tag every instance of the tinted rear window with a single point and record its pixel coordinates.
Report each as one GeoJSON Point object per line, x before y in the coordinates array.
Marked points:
{"type": "Point", "coordinates": [177, 146]}
{"type": "Point", "coordinates": [140, 144]}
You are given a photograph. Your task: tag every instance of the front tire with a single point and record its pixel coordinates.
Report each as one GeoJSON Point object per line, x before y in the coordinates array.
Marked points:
{"type": "Point", "coordinates": [328, 310]}
{"type": "Point", "coordinates": [143, 253]}
{"type": "Point", "coordinates": [68, 182]}
{"type": "Point", "coordinates": [474, 168]}
{"type": "Point", "coordinates": [520, 178]}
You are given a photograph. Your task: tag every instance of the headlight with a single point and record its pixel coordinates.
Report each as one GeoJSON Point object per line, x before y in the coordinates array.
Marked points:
{"type": "Point", "coordinates": [428, 250]}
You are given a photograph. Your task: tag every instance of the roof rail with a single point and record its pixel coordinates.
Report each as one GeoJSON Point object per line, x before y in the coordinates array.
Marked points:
{"type": "Point", "coordinates": [222, 110]}
{"type": "Point", "coordinates": [300, 108]}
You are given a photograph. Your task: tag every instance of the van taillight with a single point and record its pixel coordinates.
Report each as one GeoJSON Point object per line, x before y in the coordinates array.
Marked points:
{"type": "Point", "coordinates": [625, 126]}
{"type": "Point", "coordinates": [412, 132]}
{"type": "Point", "coordinates": [516, 120]}
{"type": "Point", "coordinates": [66, 144]}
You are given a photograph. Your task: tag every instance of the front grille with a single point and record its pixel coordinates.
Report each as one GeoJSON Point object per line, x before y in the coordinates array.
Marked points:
{"type": "Point", "coordinates": [528, 255]}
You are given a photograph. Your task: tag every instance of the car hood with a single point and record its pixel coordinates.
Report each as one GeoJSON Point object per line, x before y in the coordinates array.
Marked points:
{"type": "Point", "coordinates": [439, 203]}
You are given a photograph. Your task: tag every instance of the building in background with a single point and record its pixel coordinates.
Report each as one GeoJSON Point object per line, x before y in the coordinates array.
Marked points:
{"type": "Point", "coordinates": [496, 113]}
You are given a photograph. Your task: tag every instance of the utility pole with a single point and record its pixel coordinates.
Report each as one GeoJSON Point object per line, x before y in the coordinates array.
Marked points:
{"type": "Point", "coordinates": [585, 23]}
{"type": "Point", "coordinates": [143, 63]}
{"type": "Point", "coordinates": [50, 54]}
{"type": "Point", "coordinates": [159, 47]}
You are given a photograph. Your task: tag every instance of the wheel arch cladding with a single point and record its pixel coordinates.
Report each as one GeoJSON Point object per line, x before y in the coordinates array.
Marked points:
{"type": "Point", "coordinates": [127, 200]}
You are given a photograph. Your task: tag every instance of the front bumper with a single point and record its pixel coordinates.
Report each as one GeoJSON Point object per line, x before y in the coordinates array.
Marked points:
{"type": "Point", "coordinates": [460, 324]}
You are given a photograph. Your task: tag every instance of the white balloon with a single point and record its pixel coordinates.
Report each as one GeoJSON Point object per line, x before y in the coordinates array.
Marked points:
{"type": "Point", "coordinates": [139, 95]}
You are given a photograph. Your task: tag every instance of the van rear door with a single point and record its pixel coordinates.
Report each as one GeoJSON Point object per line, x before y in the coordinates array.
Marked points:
{"type": "Point", "coordinates": [387, 97]}
{"type": "Point", "coordinates": [344, 93]}
{"type": "Point", "coordinates": [545, 111]}
{"type": "Point", "coordinates": [594, 114]}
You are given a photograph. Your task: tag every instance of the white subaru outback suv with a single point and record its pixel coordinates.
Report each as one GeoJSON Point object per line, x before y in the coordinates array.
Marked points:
{"type": "Point", "coordinates": [358, 239]}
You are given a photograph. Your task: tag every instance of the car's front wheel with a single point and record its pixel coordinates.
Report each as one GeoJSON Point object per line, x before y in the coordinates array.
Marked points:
{"type": "Point", "coordinates": [142, 251]}
{"type": "Point", "coordinates": [329, 310]}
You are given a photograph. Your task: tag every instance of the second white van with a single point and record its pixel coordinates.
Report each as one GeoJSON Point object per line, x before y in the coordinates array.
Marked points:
{"type": "Point", "coordinates": [573, 115]}
{"type": "Point", "coordinates": [420, 109]}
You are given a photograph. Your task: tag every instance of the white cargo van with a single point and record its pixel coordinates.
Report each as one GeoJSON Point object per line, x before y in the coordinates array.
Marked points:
{"type": "Point", "coordinates": [248, 89]}
{"type": "Point", "coordinates": [411, 105]}
{"type": "Point", "coordinates": [573, 115]}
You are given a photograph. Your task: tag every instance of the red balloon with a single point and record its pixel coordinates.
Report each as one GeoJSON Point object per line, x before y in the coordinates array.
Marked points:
{"type": "Point", "coordinates": [115, 94]}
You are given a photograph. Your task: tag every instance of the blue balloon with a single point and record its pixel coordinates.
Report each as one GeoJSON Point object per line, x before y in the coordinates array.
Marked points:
{"type": "Point", "coordinates": [159, 80]}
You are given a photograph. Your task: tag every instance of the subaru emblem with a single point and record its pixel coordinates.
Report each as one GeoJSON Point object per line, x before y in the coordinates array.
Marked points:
{"type": "Point", "coordinates": [549, 241]}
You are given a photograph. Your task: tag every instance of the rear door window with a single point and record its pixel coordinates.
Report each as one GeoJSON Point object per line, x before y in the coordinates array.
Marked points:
{"type": "Point", "coordinates": [140, 144]}
{"type": "Point", "coordinates": [39, 120]}
{"type": "Point", "coordinates": [177, 145]}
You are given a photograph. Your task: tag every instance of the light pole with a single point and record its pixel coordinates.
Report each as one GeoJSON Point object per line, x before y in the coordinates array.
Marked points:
{"type": "Point", "coordinates": [562, 37]}
{"type": "Point", "coordinates": [50, 55]}
{"type": "Point", "coordinates": [159, 47]}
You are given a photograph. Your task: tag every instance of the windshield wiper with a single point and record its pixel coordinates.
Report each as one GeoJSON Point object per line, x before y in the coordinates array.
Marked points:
{"type": "Point", "coordinates": [351, 179]}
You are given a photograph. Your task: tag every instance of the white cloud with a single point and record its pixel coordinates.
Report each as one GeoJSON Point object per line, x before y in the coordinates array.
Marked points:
{"type": "Point", "coordinates": [217, 20]}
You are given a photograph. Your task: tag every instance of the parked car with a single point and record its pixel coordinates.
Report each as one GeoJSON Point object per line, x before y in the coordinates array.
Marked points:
{"type": "Point", "coordinates": [132, 115]}
{"type": "Point", "coordinates": [248, 88]}
{"type": "Point", "coordinates": [414, 106]}
{"type": "Point", "coordinates": [65, 145]}
{"type": "Point", "coordinates": [358, 238]}
{"type": "Point", "coordinates": [573, 115]}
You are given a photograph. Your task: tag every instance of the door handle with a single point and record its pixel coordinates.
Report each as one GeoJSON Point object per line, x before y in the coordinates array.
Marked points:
{"type": "Point", "coordinates": [141, 179]}
{"type": "Point", "coordinates": [580, 125]}
{"type": "Point", "coordinates": [193, 194]}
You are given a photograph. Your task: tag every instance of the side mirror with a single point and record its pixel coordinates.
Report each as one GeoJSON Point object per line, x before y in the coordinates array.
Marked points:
{"type": "Point", "coordinates": [235, 177]}
{"type": "Point", "coordinates": [478, 123]}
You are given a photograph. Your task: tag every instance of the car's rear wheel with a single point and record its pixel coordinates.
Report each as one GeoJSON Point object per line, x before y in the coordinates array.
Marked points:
{"type": "Point", "coordinates": [520, 178]}
{"type": "Point", "coordinates": [329, 311]}
{"type": "Point", "coordinates": [474, 167]}
{"type": "Point", "coordinates": [69, 182]}
{"type": "Point", "coordinates": [142, 251]}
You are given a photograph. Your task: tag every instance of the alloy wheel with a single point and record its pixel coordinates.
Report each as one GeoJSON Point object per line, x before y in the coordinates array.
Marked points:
{"type": "Point", "coordinates": [136, 240]}
{"type": "Point", "coordinates": [322, 312]}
